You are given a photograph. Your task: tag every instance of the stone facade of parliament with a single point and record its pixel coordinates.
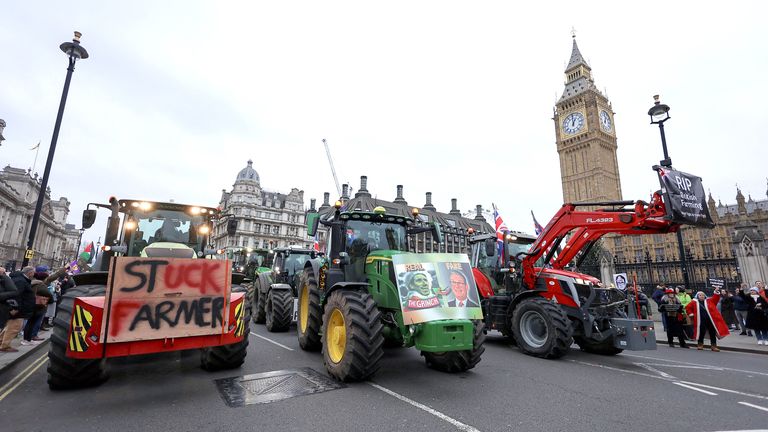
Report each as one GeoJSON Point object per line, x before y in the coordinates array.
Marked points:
{"type": "Point", "coordinates": [587, 142]}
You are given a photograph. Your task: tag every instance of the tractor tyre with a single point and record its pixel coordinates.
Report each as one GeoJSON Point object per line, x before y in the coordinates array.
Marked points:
{"type": "Point", "coordinates": [602, 348]}
{"type": "Point", "coordinates": [310, 319]}
{"type": "Point", "coordinates": [65, 372]}
{"type": "Point", "coordinates": [279, 310]}
{"type": "Point", "coordinates": [260, 287]}
{"type": "Point", "coordinates": [229, 356]}
{"type": "Point", "coordinates": [541, 328]}
{"type": "Point", "coordinates": [352, 336]}
{"type": "Point", "coordinates": [459, 361]}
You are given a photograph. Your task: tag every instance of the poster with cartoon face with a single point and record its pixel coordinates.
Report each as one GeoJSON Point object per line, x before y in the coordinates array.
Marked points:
{"type": "Point", "coordinates": [436, 287]}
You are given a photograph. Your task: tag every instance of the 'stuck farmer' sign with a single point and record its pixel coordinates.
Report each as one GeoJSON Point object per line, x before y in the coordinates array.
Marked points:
{"type": "Point", "coordinates": [435, 287]}
{"type": "Point", "coordinates": [156, 298]}
{"type": "Point", "coordinates": [684, 196]}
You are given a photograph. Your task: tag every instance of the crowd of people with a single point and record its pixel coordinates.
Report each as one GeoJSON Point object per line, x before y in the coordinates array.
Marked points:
{"type": "Point", "coordinates": [692, 318]}
{"type": "Point", "coordinates": [28, 302]}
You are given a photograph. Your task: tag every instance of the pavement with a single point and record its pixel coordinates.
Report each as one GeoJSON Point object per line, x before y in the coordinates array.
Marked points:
{"type": "Point", "coordinates": [732, 342]}
{"type": "Point", "coordinates": [8, 360]}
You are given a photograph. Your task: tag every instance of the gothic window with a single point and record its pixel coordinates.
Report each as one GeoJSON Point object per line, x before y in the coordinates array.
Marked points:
{"type": "Point", "coordinates": [708, 251]}
{"type": "Point", "coordinates": [637, 241]}
{"type": "Point", "coordinates": [659, 254]}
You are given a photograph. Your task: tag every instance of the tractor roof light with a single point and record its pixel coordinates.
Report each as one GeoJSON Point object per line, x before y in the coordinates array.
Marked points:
{"type": "Point", "coordinates": [194, 210]}
{"type": "Point", "coordinates": [204, 229]}
{"type": "Point", "coordinates": [337, 204]}
{"type": "Point", "coordinates": [415, 212]}
{"type": "Point", "coordinates": [379, 210]}
{"type": "Point", "coordinates": [145, 206]}
{"type": "Point", "coordinates": [511, 237]}
{"type": "Point", "coordinates": [470, 231]}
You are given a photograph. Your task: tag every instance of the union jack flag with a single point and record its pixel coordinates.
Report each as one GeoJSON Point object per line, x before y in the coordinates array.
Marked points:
{"type": "Point", "coordinates": [536, 226]}
{"type": "Point", "coordinates": [501, 227]}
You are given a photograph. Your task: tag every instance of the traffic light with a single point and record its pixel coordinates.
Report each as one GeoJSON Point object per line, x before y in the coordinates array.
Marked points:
{"type": "Point", "coordinates": [231, 226]}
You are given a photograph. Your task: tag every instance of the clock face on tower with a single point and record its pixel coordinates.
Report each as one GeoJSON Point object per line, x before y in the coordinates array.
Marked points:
{"type": "Point", "coordinates": [605, 121]}
{"type": "Point", "coordinates": [573, 122]}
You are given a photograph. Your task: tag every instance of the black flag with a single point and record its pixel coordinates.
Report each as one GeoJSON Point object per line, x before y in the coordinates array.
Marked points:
{"type": "Point", "coordinates": [684, 197]}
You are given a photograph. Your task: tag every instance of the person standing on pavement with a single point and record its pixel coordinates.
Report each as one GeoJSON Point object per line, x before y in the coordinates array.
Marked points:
{"type": "Point", "coordinates": [26, 299]}
{"type": "Point", "coordinates": [757, 319]}
{"type": "Point", "coordinates": [657, 296]}
{"type": "Point", "coordinates": [9, 307]}
{"type": "Point", "coordinates": [726, 310]}
{"type": "Point", "coordinates": [707, 319]}
{"type": "Point", "coordinates": [40, 286]}
{"type": "Point", "coordinates": [741, 308]}
{"type": "Point", "coordinates": [671, 307]}
{"type": "Point", "coordinates": [8, 295]}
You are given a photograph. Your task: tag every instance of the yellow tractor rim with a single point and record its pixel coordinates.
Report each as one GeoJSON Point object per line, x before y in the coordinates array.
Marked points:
{"type": "Point", "coordinates": [337, 336]}
{"type": "Point", "coordinates": [304, 308]}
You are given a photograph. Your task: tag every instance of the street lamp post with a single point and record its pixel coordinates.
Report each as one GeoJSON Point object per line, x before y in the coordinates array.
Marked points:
{"type": "Point", "coordinates": [659, 113]}
{"type": "Point", "coordinates": [79, 243]}
{"type": "Point", "coordinates": [75, 52]}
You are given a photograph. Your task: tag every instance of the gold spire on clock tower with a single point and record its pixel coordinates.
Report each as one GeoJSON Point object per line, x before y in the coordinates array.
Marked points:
{"type": "Point", "coordinates": [586, 137]}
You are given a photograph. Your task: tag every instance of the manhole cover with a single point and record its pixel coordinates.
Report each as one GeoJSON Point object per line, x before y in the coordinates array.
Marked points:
{"type": "Point", "coordinates": [273, 386]}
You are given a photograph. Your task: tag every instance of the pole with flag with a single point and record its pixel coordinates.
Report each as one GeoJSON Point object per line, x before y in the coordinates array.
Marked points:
{"type": "Point", "coordinates": [37, 150]}
{"type": "Point", "coordinates": [501, 229]}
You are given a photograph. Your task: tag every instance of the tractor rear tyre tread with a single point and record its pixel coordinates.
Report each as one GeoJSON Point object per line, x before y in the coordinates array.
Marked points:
{"type": "Point", "coordinates": [309, 338]}
{"type": "Point", "coordinates": [363, 347]}
{"type": "Point", "coordinates": [279, 310]}
{"type": "Point", "coordinates": [459, 361]}
{"type": "Point", "coordinates": [227, 356]}
{"type": "Point", "coordinates": [259, 301]}
{"type": "Point", "coordinates": [65, 372]}
{"type": "Point", "coordinates": [558, 327]}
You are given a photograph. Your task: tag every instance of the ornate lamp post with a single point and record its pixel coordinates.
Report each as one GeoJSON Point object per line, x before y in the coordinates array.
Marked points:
{"type": "Point", "coordinates": [659, 113]}
{"type": "Point", "coordinates": [75, 52]}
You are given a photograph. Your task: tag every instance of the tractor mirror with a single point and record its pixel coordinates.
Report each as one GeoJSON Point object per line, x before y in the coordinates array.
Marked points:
{"type": "Point", "coordinates": [437, 233]}
{"type": "Point", "coordinates": [231, 226]}
{"type": "Point", "coordinates": [89, 217]}
{"type": "Point", "coordinates": [312, 221]}
{"type": "Point", "coordinates": [490, 247]}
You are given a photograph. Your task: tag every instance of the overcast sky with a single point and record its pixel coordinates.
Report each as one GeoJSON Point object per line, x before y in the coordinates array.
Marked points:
{"type": "Point", "coordinates": [454, 98]}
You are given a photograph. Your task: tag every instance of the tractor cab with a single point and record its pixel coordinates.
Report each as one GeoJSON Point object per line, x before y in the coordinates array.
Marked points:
{"type": "Point", "coordinates": [288, 264]}
{"type": "Point", "coordinates": [490, 266]}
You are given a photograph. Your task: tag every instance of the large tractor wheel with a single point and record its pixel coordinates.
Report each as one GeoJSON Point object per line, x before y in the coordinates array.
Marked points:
{"type": "Point", "coordinates": [279, 310]}
{"type": "Point", "coordinates": [541, 328]}
{"type": "Point", "coordinates": [233, 355]}
{"type": "Point", "coordinates": [65, 372]}
{"type": "Point", "coordinates": [310, 314]}
{"type": "Point", "coordinates": [260, 287]}
{"type": "Point", "coordinates": [352, 336]}
{"type": "Point", "coordinates": [603, 348]}
{"type": "Point", "coordinates": [459, 361]}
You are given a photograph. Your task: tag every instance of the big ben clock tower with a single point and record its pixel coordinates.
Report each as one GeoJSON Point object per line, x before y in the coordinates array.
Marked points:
{"type": "Point", "coordinates": [586, 137]}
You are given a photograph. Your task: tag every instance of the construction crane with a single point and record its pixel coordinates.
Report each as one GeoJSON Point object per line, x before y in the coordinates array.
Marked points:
{"type": "Point", "coordinates": [333, 170]}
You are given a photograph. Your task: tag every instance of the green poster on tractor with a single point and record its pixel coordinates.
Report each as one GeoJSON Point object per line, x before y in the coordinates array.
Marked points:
{"type": "Point", "coordinates": [435, 287]}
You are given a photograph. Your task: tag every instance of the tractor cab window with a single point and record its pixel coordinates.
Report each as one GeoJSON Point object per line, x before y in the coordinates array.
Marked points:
{"type": "Point", "coordinates": [294, 263]}
{"type": "Point", "coordinates": [163, 226]}
{"type": "Point", "coordinates": [485, 261]}
{"type": "Point", "coordinates": [373, 236]}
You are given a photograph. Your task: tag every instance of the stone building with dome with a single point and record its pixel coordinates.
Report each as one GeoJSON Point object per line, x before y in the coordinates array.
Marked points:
{"type": "Point", "coordinates": [265, 219]}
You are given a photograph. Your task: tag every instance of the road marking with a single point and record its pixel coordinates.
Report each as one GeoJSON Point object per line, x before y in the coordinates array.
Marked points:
{"type": "Point", "coordinates": [694, 388]}
{"type": "Point", "coordinates": [453, 421]}
{"type": "Point", "coordinates": [754, 406]}
{"type": "Point", "coordinates": [752, 395]}
{"type": "Point", "coordinates": [34, 366]}
{"type": "Point", "coordinates": [271, 341]}
{"type": "Point", "coordinates": [652, 369]}
{"type": "Point", "coordinates": [697, 364]}
{"type": "Point", "coordinates": [682, 366]}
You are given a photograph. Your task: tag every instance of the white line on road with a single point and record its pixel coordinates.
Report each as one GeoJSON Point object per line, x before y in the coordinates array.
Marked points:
{"type": "Point", "coordinates": [35, 365]}
{"type": "Point", "coordinates": [271, 341]}
{"type": "Point", "coordinates": [453, 421]}
{"type": "Point", "coordinates": [654, 370]}
{"type": "Point", "coordinates": [694, 388]}
{"type": "Point", "coordinates": [695, 364]}
{"type": "Point", "coordinates": [754, 406]}
{"type": "Point", "coordinates": [756, 396]}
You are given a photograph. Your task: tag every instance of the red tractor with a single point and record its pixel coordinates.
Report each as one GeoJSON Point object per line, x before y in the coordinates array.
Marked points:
{"type": "Point", "coordinates": [153, 291]}
{"type": "Point", "coordinates": [529, 295]}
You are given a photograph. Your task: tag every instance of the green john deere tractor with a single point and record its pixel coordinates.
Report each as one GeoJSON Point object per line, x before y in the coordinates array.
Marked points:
{"type": "Point", "coordinates": [349, 304]}
{"type": "Point", "coordinates": [275, 290]}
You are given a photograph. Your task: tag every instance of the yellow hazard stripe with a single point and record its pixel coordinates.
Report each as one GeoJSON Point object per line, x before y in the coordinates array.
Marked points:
{"type": "Point", "coordinates": [240, 330]}
{"type": "Point", "coordinates": [81, 323]}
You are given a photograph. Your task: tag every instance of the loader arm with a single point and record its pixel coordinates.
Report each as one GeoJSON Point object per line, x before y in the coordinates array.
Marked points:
{"type": "Point", "coordinates": [589, 226]}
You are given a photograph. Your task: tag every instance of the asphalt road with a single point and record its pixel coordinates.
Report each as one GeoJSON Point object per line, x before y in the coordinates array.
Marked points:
{"type": "Point", "coordinates": [664, 390]}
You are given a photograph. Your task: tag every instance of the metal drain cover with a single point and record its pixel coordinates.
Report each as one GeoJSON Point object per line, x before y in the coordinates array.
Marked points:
{"type": "Point", "coordinates": [273, 386]}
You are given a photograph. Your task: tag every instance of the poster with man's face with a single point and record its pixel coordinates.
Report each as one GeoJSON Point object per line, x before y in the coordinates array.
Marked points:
{"type": "Point", "coordinates": [436, 286]}
{"type": "Point", "coordinates": [620, 281]}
